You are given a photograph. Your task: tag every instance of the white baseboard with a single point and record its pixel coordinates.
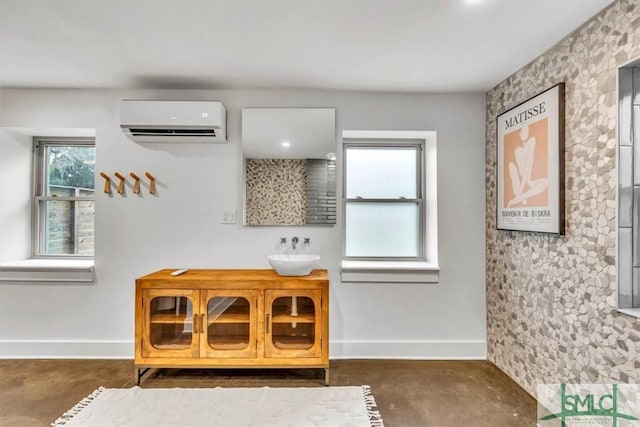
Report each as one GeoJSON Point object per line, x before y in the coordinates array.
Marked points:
{"type": "Point", "coordinates": [58, 349]}
{"type": "Point", "coordinates": [418, 350]}
{"type": "Point", "coordinates": [409, 349]}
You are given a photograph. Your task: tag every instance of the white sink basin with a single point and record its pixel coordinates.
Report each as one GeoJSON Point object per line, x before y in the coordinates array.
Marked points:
{"type": "Point", "coordinates": [294, 265]}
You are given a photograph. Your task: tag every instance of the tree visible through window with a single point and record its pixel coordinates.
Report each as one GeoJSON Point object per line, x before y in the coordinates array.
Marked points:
{"type": "Point", "coordinates": [72, 166]}
{"type": "Point", "coordinates": [64, 199]}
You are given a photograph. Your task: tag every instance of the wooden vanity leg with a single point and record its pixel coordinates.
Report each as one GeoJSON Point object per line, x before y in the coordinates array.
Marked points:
{"type": "Point", "coordinates": [139, 373]}
{"type": "Point", "coordinates": [326, 376]}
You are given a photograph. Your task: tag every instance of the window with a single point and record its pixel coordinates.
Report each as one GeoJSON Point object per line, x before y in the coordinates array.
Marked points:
{"type": "Point", "coordinates": [389, 206]}
{"type": "Point", "coordinates": [628, 262]}
{"type": "Point", "coordinates": [383, 201]}
{"type": "Point", "coordinates": [63, 207]}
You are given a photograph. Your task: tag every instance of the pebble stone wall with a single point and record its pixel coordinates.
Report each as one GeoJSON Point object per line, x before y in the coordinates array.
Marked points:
{"type": "Point", "coordinates": [551, 300]}
{"type": "Point", "coordinates": [276, 192]}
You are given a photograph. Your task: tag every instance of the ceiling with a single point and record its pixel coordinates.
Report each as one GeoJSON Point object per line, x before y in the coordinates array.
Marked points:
{"type": "Point", "coordinates": [362, 45]}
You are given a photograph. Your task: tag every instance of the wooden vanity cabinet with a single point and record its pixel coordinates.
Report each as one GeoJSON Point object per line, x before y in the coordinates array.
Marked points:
{"type": "Point", "coordinates": [231, 318]}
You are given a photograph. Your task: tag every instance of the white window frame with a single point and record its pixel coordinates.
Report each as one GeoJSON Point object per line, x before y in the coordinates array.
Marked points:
{"type": "Point", "coordinates": [424, 268]}
{"type": "Point", "coordinates": [40, 186]}
{"type": "Point", "coordinates": [626, 290]}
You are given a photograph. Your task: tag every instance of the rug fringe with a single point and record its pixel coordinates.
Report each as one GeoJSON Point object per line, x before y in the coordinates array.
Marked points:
{"type": "Point", "coordinates": [372, 408]}
{"type": "Point", "coordinates": [67, 416]}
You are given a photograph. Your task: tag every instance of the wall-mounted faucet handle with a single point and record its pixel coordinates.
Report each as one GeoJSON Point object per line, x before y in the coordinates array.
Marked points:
{"type": "Point", "coordinates": [307, 240]}
{"type": "Point", "coordinates": [283, 240]}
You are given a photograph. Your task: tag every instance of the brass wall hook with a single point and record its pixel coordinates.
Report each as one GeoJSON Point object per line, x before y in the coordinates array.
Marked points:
{"type": "Point", "coordinates": [121, 183]}
{"type": "Point", "coordinates": [136, 183]}
{"type": "Point", "coordinates": [152, 183]}
{"type": "Point", "coordinates": [107, 182]}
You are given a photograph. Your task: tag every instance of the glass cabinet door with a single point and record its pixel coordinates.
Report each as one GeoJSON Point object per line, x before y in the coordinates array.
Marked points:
{"type": "Point", "coordinates": [230, 324]}
{"type": "Point", "coordinates": [292, 323]}
{"type": "Point", "coordinates": [169, 319]}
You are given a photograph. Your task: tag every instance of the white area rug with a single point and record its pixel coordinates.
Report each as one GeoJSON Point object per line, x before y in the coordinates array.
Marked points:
{"type": "Point", "coordinates": [226, 407]}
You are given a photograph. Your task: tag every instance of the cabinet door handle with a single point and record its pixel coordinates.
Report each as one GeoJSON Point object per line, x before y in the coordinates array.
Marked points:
{"type": "Point", "coordinates": [202, 330]}
{"type": "Point", "coordinates": [267, 325]}
{"type": "Point", "coordinates": [195, 323]}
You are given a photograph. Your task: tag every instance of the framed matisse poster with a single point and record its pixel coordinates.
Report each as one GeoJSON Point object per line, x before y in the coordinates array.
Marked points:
{"type": "Point", "coordinates": [530, 164]}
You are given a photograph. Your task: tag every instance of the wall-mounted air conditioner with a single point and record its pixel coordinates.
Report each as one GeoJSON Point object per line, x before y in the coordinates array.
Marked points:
{"type": "Point", "coordinates": [173, 121]}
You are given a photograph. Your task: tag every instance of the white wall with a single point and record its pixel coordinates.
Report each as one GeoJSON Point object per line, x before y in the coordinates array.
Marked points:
{"type": "Point", "coordinates": [15, 191]}
{"type": "Point", "coordinates": [180, 227]}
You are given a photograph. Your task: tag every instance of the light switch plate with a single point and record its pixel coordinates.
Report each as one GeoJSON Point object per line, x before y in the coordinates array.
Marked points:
{"type": "Point", "coordinates": [229, 216]}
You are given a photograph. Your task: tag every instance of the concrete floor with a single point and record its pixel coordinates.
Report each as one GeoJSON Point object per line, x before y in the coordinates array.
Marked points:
{"type": "Point", "coordinates": [408, 393]}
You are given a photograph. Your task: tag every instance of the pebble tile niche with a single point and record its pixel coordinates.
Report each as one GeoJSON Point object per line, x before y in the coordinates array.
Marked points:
{"type": "Point", "coordinates": [276, 192]}
{"type": "Point", "coordinates": [551, 300]}
{"type": "Point", "coordinates": [290, 191]}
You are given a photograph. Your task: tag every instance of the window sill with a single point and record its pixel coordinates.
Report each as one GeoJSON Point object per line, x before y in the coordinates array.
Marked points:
{"type": "Point", "coordinates": [390, 271]}
{"type": "Point", "coordinates": [47, 270]}
{"type": "Point", "coordinates": [634, 312]}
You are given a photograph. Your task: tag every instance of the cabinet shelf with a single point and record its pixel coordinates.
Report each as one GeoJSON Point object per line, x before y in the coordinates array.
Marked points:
{"type": "Point", "coordinates": [173, 343]}
{"type": "Point", "coordinates": [300, 318]}
{"type": "Point", "coordinates": [230, 318]}
{"type": "Point", "coordinates": [229, 342]}
{"type": "Point", "coordinates": [160, 317]}
{"type": "Point", "coordinates": [287, 342]}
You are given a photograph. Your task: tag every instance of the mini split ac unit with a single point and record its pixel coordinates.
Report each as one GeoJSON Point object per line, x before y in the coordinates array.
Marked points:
{"type": "Point", "coordinates": [173, 121]}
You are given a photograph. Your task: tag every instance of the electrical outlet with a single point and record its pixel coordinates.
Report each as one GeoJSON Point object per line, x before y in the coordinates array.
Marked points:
{"type": "Point", "coordinates": [229, 216]}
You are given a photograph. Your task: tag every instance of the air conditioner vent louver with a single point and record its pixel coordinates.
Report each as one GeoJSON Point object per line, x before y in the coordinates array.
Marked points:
{"type": "Point", "coordinates": [173, 121]}
{"type": "Point", "coordinates": [178, 132]}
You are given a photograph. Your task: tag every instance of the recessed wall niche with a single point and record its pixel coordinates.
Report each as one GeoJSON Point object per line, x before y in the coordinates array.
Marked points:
{"type": "Point", "coordinates": [629, 186]}
{"type": "Point", "coordinates": [290, 191]}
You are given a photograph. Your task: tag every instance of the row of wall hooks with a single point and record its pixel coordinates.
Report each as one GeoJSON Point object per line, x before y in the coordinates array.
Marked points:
{"type": "Point", "coordinates": [122, 180]}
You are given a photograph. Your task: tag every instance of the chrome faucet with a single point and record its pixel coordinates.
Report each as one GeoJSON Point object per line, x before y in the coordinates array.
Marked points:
{"type": "Point", "coordinates": [294, 242]}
